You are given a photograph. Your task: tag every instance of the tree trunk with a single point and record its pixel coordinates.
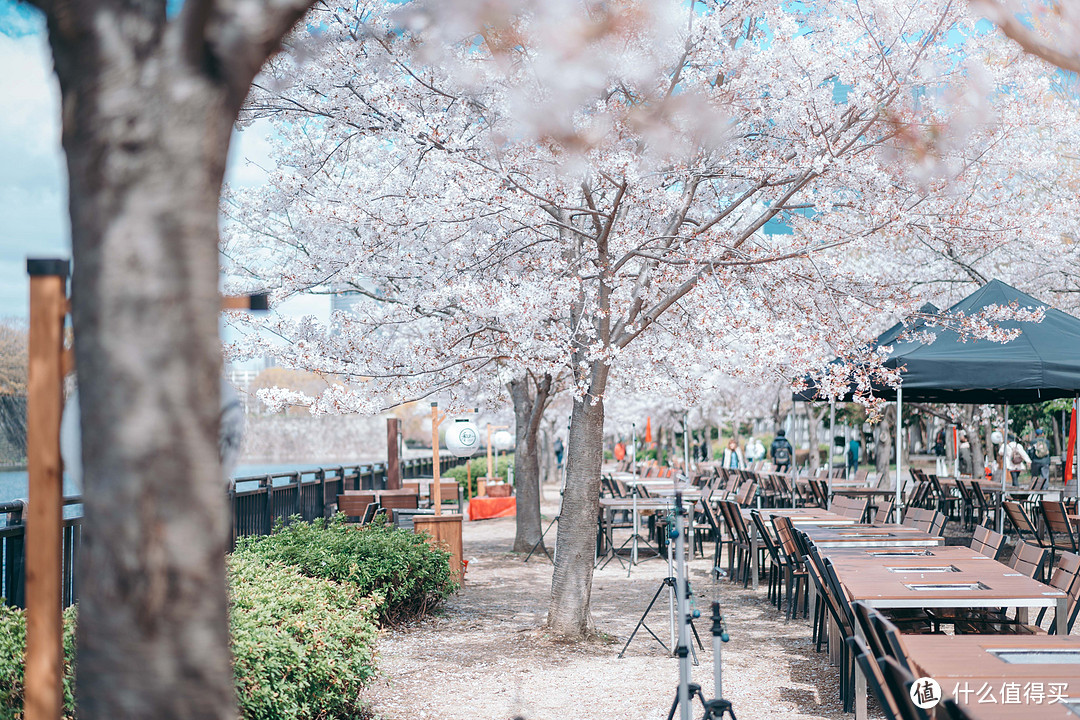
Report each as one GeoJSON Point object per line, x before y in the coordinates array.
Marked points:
{"type": "Point", "coordinates": [813, 458]}
{"type": "Point", "coordinates": [530, 399]}
{"type": "Point", "coordinates": [569, 614]}
{"type": "Point", "coordinates": [883, 453]}
{"type": "Point", "coordinates": [148, 110]}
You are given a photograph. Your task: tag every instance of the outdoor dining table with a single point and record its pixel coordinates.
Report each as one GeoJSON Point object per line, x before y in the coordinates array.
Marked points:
{"type": "Point", "coordinates": [1002, 677]}
{"type": "Point", "coordinates": [841, 535]}
{"type": "Point", "coordinates": [799, 517]}
{"type": "Point", "coordinates": [954, 577]}
{"type": "Point", "coordinates": [636, 506]}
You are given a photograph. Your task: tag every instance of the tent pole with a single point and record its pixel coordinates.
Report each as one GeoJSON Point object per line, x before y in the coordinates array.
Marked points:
{"type": "Point", "coordinates": [686, 445]}
{"type": "Point", "coordinates": [1004, 472]}
{"type": "Point", "coordinates": [832, 438]}
{"type": "Point", "coordinates": [1076, 480]}
{"type": "Point", "coordinates": [899, 448]}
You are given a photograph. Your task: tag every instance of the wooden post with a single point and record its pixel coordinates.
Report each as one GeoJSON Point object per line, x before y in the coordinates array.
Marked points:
{"type": "Point", "coordinates": [393, 457]}
{"type": "Point", "coordinates": [436, 482]}
{"type": "Point", "coordinates": [468, 478]}
{"type": "Point", "coordinates": [44, 522]}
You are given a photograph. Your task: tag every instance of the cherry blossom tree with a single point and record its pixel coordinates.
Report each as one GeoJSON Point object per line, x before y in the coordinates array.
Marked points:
{"type": "Point", "coordinates": [588, 193]}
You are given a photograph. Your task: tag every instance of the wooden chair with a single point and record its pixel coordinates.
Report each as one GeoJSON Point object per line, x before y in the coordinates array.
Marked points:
{"type": "Point", "coordinates": [778, 559]}
{"type": "Point", "coordinates": [795, 573]}
{"type": "Point", "coordinates": [1060, 533]}
{"type": "Point", "coordinates": [898, 681]}
{"type": "Point", "coordinates": [354, 503]}
{"type": "Point", "coordinates": [981, 506]}
{"type": "Point", "coordinates": [1066, 578]}
{"type": "Point", "coordinates": [1021, 523]}
{"type": "Point", "coordinates": [884, 512]}
{"type": "Point", "coordinates": [937, 524]}
{"type": "Point", "coordinates": [1028, 559]}
{"type": "Point", "coordinates": [986, 542]}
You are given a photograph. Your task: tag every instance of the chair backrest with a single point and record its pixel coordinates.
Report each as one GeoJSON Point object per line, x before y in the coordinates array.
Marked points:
{"type": "Point", "coordinates": [1020, 521]}
{"type": "Point", "coordinates": [889, 638]}
{"type": "Point", "coordinates": [1057, 520]}
{"type": "Point", "coordinates": [937, 524]}
{"type": "Point", "coordinates": [884, 512]}
{"type": "Point", "coordinates": [765, 536]}
{"type": "Point", "coordinates": [986, 542]}
{"type": "Point", "coordinates": [607, 486]}
{"type": "Point", "coordinates": [747, 495]}
{"type": "Point", "coordinates": [867, 663]}
{"type": "Point", "coordinates": [1028, 559]}
{"type": "Point", "coordinates": [1066, 577]}
{"type": "Point", "coordinates": [978, 495]}
{"type": "Point", "coordinates": [369, 513]}
{"type": "Point", "coordinates": [735, 518]}
{"type": "Point", "coordinates": [898, 682]}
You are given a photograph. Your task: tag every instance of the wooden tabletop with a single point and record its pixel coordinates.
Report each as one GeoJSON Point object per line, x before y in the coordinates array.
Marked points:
{"type": "Point", "coordinates": [972, 670]}
{"type": "Point", "coordinates": [649, 503]}
{"type": "Point", "coordinates": [940, 581]}
{"type": "Point", "coordinates": [863, 492]}
{"type": "Point", "coordinates": [868, 535]}
{"type": "Point", "coordinates": [803, 516]}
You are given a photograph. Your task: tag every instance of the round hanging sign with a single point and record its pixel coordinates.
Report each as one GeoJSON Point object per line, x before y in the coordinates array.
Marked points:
{"type": "Point", "coordinates": [462, 438]}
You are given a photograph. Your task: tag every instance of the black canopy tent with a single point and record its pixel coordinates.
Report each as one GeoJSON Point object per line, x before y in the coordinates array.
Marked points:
{"type": "Point", "coordinates": [1041, 363]}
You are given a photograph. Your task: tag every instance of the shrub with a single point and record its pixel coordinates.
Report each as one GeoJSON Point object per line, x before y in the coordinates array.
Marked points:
{"type": "Point", "coordinates": [407, 576]}
{"type": "Point", "coordinates": [12, 649]}
{"type": "Point", "coordinates": [302, 648]}
{"type": "Point", "coordinates": [478, 466]}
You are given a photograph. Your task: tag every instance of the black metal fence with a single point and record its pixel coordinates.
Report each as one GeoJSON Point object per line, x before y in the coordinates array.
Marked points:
{"type": "Point", "coordinates": [257, 503]}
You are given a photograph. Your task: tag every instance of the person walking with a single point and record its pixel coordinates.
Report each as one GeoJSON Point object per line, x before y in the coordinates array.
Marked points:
{"type": "Point", "coordinates": [781, 451]}
{"type": "Point", "coordinates": [940, 469]}
{"type": "Point", "coordinates": [559, 452]}
{"type": "Point", "coordinates": [854, 446]}
{"type": "Point", "coordinates": [733, 457]}
{"type": "Point", "coordinates": [1015, 457]}
{"type": "Point", "coordinates": [1040, 455]}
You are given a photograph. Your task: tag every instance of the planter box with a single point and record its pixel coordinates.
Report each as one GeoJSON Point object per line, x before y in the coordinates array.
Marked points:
{"type": "Point", "coordinates": [500, 490]}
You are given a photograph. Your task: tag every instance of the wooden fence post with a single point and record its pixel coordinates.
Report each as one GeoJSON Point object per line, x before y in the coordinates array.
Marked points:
{"type": "Point", "coordinates": [44, 521]}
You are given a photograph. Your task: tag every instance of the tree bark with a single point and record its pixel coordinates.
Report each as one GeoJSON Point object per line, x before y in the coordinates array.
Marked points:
{"type": "Point", "coordinates": [530, 400]}
{"type": "Point", "coordinates": [883, 453]}
{"type": "Point", "coordinates": [148, 109]}
{"type": "Point", "coordinates": [569, 614]}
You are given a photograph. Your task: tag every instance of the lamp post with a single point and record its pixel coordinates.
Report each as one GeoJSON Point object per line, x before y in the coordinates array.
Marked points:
{"type": "Point", "coordinates": [490, 470]}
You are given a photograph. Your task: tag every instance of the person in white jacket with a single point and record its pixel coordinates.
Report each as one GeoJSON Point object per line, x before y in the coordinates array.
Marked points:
{"type": "Point", "coordinates": [1015, 457]}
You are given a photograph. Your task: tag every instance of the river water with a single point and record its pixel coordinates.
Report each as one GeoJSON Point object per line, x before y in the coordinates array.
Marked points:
{"type": "Point", "coordinates": [14, 483]}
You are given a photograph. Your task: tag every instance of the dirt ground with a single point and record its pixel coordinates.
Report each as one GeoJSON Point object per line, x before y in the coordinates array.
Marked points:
{"type": "Point", "coordinates": [486, 654]}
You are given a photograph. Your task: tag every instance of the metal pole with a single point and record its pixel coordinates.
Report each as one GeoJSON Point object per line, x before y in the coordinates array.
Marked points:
{"type": "Point", "coordinates": [633, 449]}
{"type": "Point", "coordinates": [899, 448]}
{"type": "Point", "coordinates": [682, 650]}
{"type": "Point", "coordinates": [832, 439]}
{"type": "Point", "coordinates": [1004, 472]}
{"type": "Point", "coordinates": [686, 444]}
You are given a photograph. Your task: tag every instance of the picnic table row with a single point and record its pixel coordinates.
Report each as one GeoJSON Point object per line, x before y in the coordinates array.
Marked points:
{"type": "Point", "coordinates": [897, 568]}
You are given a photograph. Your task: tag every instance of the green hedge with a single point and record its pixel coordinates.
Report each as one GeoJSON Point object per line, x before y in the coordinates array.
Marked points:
{"type": "Point", "coordinates": [302, 648]}
{"type": "Point", "coordinates": [12, 650]}
{"type": "Point", "coordinates": [405, 575]}
{"type": "Point", "coordinates": [478, 466]}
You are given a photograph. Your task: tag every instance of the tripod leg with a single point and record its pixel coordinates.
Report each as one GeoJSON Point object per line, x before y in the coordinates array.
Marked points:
{"type": "Point", "coordinates": [540, 542]}
{"type": "Point", "coordinates": [642, 620]}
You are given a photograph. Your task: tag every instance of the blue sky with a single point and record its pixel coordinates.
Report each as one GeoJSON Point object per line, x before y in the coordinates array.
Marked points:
{"type": "Point", "coordinates": [33, 177]}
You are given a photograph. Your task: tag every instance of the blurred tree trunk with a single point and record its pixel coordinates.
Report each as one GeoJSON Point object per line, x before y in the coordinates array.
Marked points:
{"type": "Point", "coordinates": [530, 396]}
{"type": "Point", "coordinates": [148, 109]}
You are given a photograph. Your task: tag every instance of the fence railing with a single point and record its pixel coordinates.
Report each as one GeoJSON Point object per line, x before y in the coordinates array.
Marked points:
{"type": "Point", "coordinates": [13, 553]}
{"type": "Point", "coordinates": [257, 504]}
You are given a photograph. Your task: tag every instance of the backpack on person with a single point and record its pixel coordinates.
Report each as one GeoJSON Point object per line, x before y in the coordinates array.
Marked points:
{"type": "Point", "coordinates": [1041, 448]}
{"type": "Point", "coordinates": [1016, 458]}
{"type": "Point", "coordinates": [782, 455]}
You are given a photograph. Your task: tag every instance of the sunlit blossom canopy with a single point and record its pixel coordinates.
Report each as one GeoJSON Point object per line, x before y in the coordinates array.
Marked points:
{"type": "Point", "coordinates": [937, 364]}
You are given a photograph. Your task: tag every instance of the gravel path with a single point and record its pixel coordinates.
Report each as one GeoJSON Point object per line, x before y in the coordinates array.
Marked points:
{"type": "Point", "coordinates": [487, 655]}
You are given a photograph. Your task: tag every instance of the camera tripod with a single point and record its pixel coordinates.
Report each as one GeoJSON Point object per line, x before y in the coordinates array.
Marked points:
{"type": "Point", "coordinates": [668, 582]}
{"type": "Point", "coordinates": [716, 708]}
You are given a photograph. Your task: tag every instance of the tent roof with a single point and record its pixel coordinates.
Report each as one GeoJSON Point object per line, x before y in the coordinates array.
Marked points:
{"type": "Point", "coordinates": [1042, 363]}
